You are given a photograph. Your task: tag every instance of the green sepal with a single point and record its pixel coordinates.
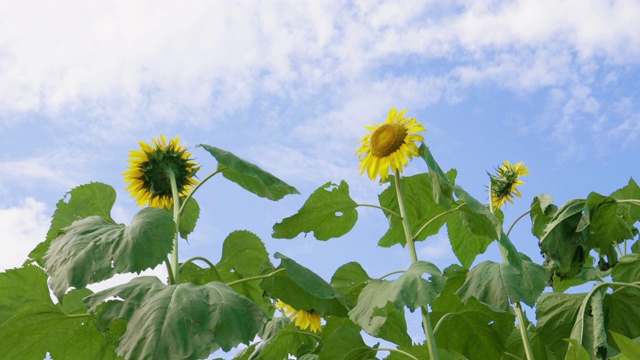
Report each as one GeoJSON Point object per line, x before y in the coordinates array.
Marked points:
{"type": "Point", "coordinates": [328, 213]}
{"type": "Point", "coordinates": [94, 249]}
{"type": "Point", "coordinates": [83, 201]}
{"type": "Point", "coordinates": [249, 176]}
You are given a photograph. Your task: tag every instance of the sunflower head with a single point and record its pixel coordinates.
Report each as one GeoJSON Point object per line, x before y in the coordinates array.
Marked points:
{"type": "Point", "coordinates": [150, 168]}
{"type": "Point", "coordinates": [389, 146]}
{"type": "Point", "coordinates": [504, 185]}
{"type": "Point", "coordinates": [304, 319]}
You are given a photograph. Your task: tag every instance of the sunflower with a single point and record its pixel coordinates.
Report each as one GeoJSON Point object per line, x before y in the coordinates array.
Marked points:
{"type": "Point", "coordinates": [504, 183]}
{"type": "Point", "coordinates": [389, 146]}
{"type": "Point", "coordinates": [304, 319]}
{"type": "Point", "coordinates": [150, 169]}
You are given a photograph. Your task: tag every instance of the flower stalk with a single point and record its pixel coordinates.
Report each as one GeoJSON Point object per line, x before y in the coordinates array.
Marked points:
{"type": "Point", "coordinates": [176, 219]}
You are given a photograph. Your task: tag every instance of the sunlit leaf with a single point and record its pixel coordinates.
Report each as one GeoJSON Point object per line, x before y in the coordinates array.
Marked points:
{"type": "Point", "coordinates": [93, 249]}
{"type": "Point", "coordinates": [328, 213]}
{"type": "Point", "coordinates": [499, 284]}
{"type": "Point", "coordinates": [465, 243]}
{"type": "Point", "coordinates": [627, 211]}
{"type": "Point", "coordinates": [441, 185]}
{"type": "Point", "coordinates": [21, 288]}
{"type": "Point", "coordinates": [188, 217]}
{"type": "Point", "coordinates": [420, 206]}
{"type": "Point", "coordinates": [556, 314]}
{"type": "Point", "coordinates": [627, 269]}
{"type": "Point", "coordinates": [627, 346]}
{"type": "Point", "coordinates": [589, 327]}
{"type": "Point", "coordinates": [182, 321]}
{"type": "Point", "coordinates": [576, 351]}
{"type": "Point", "coordinates": [606, 226]}
{"type": "Point", "coordinates": [344, 342]}
{"type": "Point", "coordinates": [249, 176]}
{"type": "Point", "coordinates": [475, 331]}
{"type": "Point", "coordinates": [83, 201]}
{"type": "Point", "coordinates": [287, 341]}
{"type": "Point", "coordinates": [542, 211]}
{"type": "Point", "coordinates": [621, 311]}
{"type": "Point", "coordinates": [484, 222]}
{"type": "Point", "coordinates": [448, 299]}
{"type": "Point", "coordinates": [350, 279]}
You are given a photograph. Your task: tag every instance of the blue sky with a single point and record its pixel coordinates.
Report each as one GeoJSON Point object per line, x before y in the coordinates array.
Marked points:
{"type": "Point", "coordinates": [290, 87]}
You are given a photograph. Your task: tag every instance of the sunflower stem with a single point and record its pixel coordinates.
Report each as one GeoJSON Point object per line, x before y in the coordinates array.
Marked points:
{"type": "Point", "coordinates": [426, 322]}
{"type": "Point", "coordinates": [519, 313]}
{"type": "Point", "coordinates": [190, 195]}
{"type": "Point", "coordinates": [176, 219]}
{"type": "Point", "coordinates": [383, 209]}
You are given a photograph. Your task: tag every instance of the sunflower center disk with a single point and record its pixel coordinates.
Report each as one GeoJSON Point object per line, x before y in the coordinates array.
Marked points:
{"type": "Point", "coordinates": [387, 139]}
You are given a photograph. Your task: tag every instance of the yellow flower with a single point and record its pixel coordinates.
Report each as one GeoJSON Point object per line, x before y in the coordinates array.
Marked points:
{"type": "Point", "coordinates": [504, 184]}
{"type": "Point", "coordinates": [149, 169]}
{"type": "Point", "coordinates": [304, 319]}
{"type": "Point", "coordinates": [389, 146]}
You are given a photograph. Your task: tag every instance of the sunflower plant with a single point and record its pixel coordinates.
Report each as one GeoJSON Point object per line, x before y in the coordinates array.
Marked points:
{"type": "Point", "coordinates": [280, 309]}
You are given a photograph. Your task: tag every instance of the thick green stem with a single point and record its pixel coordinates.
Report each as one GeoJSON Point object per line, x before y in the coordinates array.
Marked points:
{"type": "Point", "coordinates": [519, 313]}
{"type": "Point", "coordinates": [426, 323]}
{"type": "Point", "coordinates": [176, 219]}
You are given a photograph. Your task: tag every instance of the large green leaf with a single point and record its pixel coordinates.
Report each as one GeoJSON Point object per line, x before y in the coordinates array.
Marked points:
{"type": "Point", "coordinates": [21, 288]}
{"type": "Point", "coordinates": [420, 206]}
{"type": "Point", "coordinates": [562, 242]}
{"type": "Point", "coordinates": [441, 185]}
{"type": "Point", "coordinates": [606, 226]}
{"type": "Point", "coordinates": [448, 299]}
{"type": "Point", "coordinates": [589, 328]}
{"type": "Point", "coordinates": [93, 249]}
{"type": "Point", "coordinates": [409, 290]}
{"type": "Point", "coordinates": [188, 217]}
{"type": "Point", "coordinates": [421, 352]}
{"type": "Point", "coordinates": [556, 314]}
{"type": "Point", "coordinates": [627, 269]}
{"type": "Point", "coordinates": [329, 212]}
{"type": "Point", "coordinates": [343, 341]}
{"type": "Point", "coordinates": [576, 351]}
{"type": "Point", "coordinates": [305, 290]}
{"type": "Point", "coordinates": [83, 201]}
{"type": "Point", "coordinates": [629, 212]}
{"type": "Point", "coordinates": [465, 243]}
{"type": "Point", "coordinates": [498, 284]}
{"type": "Point", "coordinates": [286, 341]}
{"type": "Point", "coordinates": [627, 346]}
{"type": "Point", "coordinates": [621, 311]}
{"type": "Point", "coordinates": [475, 331]}
{"type": "Point", "coordinates": [480, 219]}
{"type": "Point", "coordinates": [182, 321]}
{"type": "Point", "coordinates": [350, 279]}
{"type": "Point", "coordinates": [516, 348]}
{"type": "Point", "coordinates": [249, 176]}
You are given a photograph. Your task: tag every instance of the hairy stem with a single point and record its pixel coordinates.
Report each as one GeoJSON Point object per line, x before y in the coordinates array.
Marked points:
{"type": "Point", "coordinates": [176, 219]}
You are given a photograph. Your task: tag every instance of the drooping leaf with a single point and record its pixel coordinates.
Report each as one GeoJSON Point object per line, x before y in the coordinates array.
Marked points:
{"type": "Point", "coordinates": [409, 290]}
{"type": "Point", "coordinates": [629, 212]}
{"type": "Point", "coordinates": [516, 348]}
{"type": "Point", "coordinates": [328, 213]}
{"type": "Point", "coordinates": [621, 311]}
{"type": "Point", "coordinates": [394, 326]}
{"type": "Point", "coordinates": [287, 341]}
{"type": "Point", "coordinates": [83, 201]}
{"type": "Point", "coordinates": [606, 226]}
{"type": "Point", "coordinates": [475, 331]}
{"type": "Point", "coordinates": [21, 288]}
{"type": "Point", "coordinates": [182, 321]}
{"type": "Point", "coordinates": [420, 206]}
{"type": "Point", "coordinates": [627, 346]}
{"type": "Point", "coordinates": [627, 269]}
{"type": "Point", "coordinates": [92, 249]}
{"type": "Point", "coordinates": [562, 243]}
{"type": "Point", "coordinates": [589, 328]}
{"type": "Point", "coordinates": [249, 176]}
{"type": "Point", "coordinates": [448, 299]}
{"type": "Point", "coordinates": [188, 217]}
{"type": "Point", "coordinates": [464, 242]}
{"type": "Point", "coordinates": [350, 279]}
{"type": "Point", "coordinates": [542, 211]}
{"type": "Point", "coordinates": [440, 184]}
{"type": "Point", "coordinates": [576, 351]}
{"type": "Point", "coordinates": [587, 273]}
{"type": "Point", "coordinates": [303, 289]}
{"type": "Point", "coordinates": [513, 257]}
{"type": "Point", "coordinates": [499, 284]}
{"type": "Point", "coordinates": [478, 215]}
{"type": "Point", "coordinates": [556, 314]}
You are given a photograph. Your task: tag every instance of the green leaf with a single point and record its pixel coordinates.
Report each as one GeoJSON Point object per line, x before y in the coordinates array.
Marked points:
{"type": "Point", "coordinates": [479, 216]}
{"type": "Point", "coordinates": [627, 269]}
{"type": "Point", "coordinates": [344, 342]}
{"type": "Point", "coordinates": [465, 243]}
{"type": "Point", "coordinates": [448, 300]}
{"type": "Point", "coordinates": [556, 314]}
{"type": "Point", "coordinates": [302, 289]}
{"type": "Point", "coordinates": [188, 217]}
{"type": "Point", "coordinates": [83, 201]}
{"type": "Point", "coordinates": [20, 288]}
{"type": "Point", "coordinates": [93, 249]}
{"type": "Point", "coordinates": [576, 351]}
{"type": "Point", "coordinates": [627, 346]}
{"type": "Point", "coordinates": [562, 243]}
{"type": "Point", "coordinates": [243, 252]}
{"type": "Point", "coordinates": [350, 279]}
{"type": "Point", "coordinates": [629, 212]}
{"type": "Point", "coordinates": [442, 187]}
{"type": "Point", "coordinates": [249, 176]}
{"type": "Point", "coordinates": [513, 257]}
{"type": "Point", "coordinates": [288, 340]}
{"type": "Point", "coordinates": [539, 349]}
{"type": "Point", "coordinates": [328, 213]}
{"type": "Point", "coordinates": [420, 206]}
{"type": "Point", "coordinates": [586, 274]}
{"type": "Point", "coordinates": [475, 331]}
{"type": "Point", "coordinates": [497, 285]}
{"type": "Point", "coordinates": [182, 321]}
{"type": "Point", "coordinates": [589, 327]}
{"type": "Point", "coordinates": [606, 226]}
{"type": "Point", "coordinates": [394, 328]}
{"type": "Point", "coordinates": [409, 290]}
{"type": "Point", "coordinates": [41, 328]}
{"type": "Point", "coordinates": [542, 211]}
{"type": "Point", "coordinates": [621, 311]}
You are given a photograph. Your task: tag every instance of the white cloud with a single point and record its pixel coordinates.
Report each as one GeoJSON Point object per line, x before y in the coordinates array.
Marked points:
{"type": "Point", "coordinates": [22, 227]}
